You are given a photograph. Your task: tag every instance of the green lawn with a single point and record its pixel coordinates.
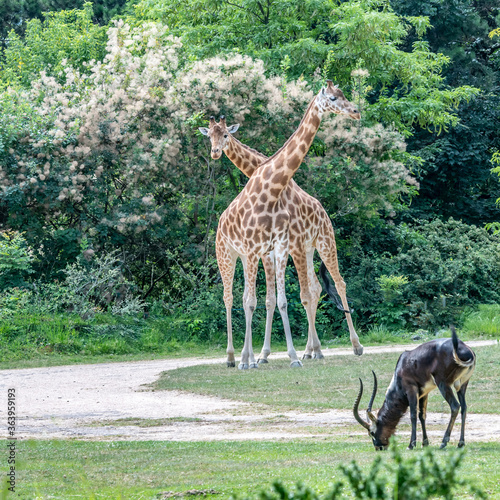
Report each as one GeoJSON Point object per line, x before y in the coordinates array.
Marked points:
{"type": "Point", "coordinates": [146, 470]}
{"type": "Point", "coordinates": [153, 470]}
{"type": "Point", "coordinates": [329, 383]}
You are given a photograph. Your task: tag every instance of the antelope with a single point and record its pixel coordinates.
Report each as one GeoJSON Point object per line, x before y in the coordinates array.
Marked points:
{"type": "Point", "coordinates": [441, 363]}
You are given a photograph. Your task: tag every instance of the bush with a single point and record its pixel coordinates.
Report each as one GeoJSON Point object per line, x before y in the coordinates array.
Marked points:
{"type": "Point", "coordinates": [421, 476]}
{"type": "Point", "coordinates": [15, 260]}
{"type": "Point", "coordinates": [448, 265]}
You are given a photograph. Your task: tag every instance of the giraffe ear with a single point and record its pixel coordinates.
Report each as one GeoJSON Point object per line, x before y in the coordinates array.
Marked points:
{"type": "Point", "coordinates": [233, 128]}
{"type": "Point", "coordinates": [203, 130]}
{"type": "Point", "coordinates": [323, 91]}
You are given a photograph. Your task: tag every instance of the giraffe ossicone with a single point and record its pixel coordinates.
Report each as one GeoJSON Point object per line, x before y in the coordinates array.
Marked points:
{"type": "Point", "coordinates": [271, 217]}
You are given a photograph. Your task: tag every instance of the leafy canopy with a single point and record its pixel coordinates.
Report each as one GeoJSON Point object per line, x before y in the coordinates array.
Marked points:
{"type": "Point", "coordinates": [67, 35]}
{"type": "Point", "coordinates": [299, 37]}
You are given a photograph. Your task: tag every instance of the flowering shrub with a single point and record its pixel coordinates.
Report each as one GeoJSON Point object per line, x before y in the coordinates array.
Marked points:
{"type": "Point", "coordinates": [113, 155]}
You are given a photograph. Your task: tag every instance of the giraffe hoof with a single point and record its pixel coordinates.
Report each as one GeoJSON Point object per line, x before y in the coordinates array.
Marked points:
{"type": "Point", "coordinates": [358, 351]}
{"type": "Point", "coordinates": [306, 356]}
{"type": "Point", "coordinates": [243, 366]}
{"type": "Point", "coordinates": [253, 365]}
{"type": "Point", "coordinates": [318, 355]}
{"type": "Point", "coordinates": [231, 364]}
{"type": "Point", "coordinates": [262, 361]}
{"type": "Point", "coordinates": [296, 364]}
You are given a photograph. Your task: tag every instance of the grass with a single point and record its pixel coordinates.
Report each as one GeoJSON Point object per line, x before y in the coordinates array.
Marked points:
{"type": "Point", "coordinates": [34, 340]}
{"type": "Point", "coordinates": [485, 321]}
{"type": "Point", "coordinates": [55, 469]}
{"type": "Point", "coordinates": [146, 470]}
{"type": "Point", "coordinates": [329, 383]}
{"type": "Point", "coordinates": [147, 422]}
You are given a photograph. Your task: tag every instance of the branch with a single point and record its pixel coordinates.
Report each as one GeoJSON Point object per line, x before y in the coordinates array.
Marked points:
{"type": "Point", "coordinates": [144, 297]}
{"type": "Point", "coordinates": [248, 10]}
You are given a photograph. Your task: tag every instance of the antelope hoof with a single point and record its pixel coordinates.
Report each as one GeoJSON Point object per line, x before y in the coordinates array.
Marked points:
{"type": "Point", "coordinates": [425, 442]}
{"type": "Point", "coordinates": [296, 364]}
{"type": "Point", "coordinates": [318, 355]}
{"type": "Point", "coordinates": [262, 361]}
{"type": "Point", "coordinates": [412, 445]}
{"type": "Point", "coordinates": [243, 366]}
{"type": "Point", "coordinates": [306, 356]}
{"type": "Point", "coordinates": [231, 364]}
{"type": "Point", "coordinates": [358, 351]}
{"type": "Point", "coordinates": [253, 365]}
{"type": "Point", "coordinates": [443, 446]}
{"type": "Point", "coordinates": [461, 444]}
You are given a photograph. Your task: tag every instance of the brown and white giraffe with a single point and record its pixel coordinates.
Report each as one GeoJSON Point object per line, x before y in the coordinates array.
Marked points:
{"type": "Point", "coordinates": [309, 224]}
{"type": "Point", "coordinates": [267, 216]}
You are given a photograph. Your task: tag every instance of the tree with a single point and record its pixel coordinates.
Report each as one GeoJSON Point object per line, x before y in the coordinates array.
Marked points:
{"type": "Point", "coordinates": [66, 36]}
{"type": "Point", "coordinates": [298, 37]}
{"type": "Point", "coordinates": [115, 157]}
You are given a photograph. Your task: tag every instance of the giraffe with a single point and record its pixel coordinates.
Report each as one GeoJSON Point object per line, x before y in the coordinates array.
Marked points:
{"type": "Point", "coordinates": [310, 226]}
{"type": "Point", "coordinates": [256, 225]}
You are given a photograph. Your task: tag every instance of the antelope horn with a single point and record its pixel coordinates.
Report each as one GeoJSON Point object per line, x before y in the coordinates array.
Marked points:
{"type": "Point", "coordinates": [374, 393]}
{"type": "Point", "coordinates": [356, 406]}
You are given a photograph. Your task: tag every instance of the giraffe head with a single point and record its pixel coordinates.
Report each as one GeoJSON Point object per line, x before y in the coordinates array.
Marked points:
{"type": "Point", "coordinates": [332, 99]}
{"type": "Point", "coordinates": [219, 135]}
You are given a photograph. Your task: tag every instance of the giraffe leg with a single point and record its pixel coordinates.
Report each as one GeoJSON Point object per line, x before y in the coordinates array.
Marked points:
{"type": "Point", "coordinates": [281, 258]}
{"type": "Point", "coordinates": [327, 250]}
{"type": "Point", "coordinates": [315, 288]}
{"type": "Point", "coordinates": [250, 265]}
{"type": "Point", "coordinates": [309, 298]}
{"type": "Point", "coordinates": [226, 261]}
{"type": "Point", "coordinates": [268, 262]}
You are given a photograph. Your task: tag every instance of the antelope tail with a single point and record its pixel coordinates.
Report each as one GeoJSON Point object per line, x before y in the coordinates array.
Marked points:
{"type": "Point", "coordinates": [467, 357]}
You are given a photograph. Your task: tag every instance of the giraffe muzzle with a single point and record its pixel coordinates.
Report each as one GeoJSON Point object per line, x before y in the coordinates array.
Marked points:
{"type": "Point", "coordinates": [216, 154]}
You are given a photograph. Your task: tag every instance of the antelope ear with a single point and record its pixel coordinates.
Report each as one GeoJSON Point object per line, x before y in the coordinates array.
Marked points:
{"type": "Point", "coordinates": [233, 128]}
{"type": "Point", "coordinates": [371, 416]}
{"type": "Point", "coordinates": [203, 130]}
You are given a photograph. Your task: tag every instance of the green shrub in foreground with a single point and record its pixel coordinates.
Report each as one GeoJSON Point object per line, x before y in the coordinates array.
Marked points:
{"type": "Point", "coordinates": [422, 475]}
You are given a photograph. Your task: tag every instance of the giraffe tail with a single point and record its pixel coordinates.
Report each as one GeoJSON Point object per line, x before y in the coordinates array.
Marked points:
{"type": "Point", "coordinates": [330, 290]}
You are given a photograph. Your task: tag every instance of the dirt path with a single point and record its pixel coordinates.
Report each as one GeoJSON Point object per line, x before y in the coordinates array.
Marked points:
{"type": "Point", "coordinates": [74, 401]}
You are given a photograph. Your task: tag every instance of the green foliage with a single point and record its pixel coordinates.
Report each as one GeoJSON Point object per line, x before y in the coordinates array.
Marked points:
{"type": "Point", "coordinates": [116, 160]}
{"type": "Point", "coordinates": [407, 88]}
{"type": "Point", "coordinates": [448, 265]}
{"type": "Point", "coordinates": [495, 226]}
{"type": "Point", "coordinates": [300, 492]}
{"type": "Point", "coordinates": [66, 36]}
{"type": "Point", "coordinates": [15, 260]}
{"type": "Point", "coordinates": [455, 178]}
{"type": "Point", "coordinates": [423, 475]}
{"type": "Point", "coordinates": [391, 311]}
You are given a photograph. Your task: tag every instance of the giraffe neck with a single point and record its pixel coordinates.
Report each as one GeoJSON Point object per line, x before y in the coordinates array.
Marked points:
{"type": "Point", "coordinates": [246, 159]}
{"type": "Point", "coordinates": [280, 168]}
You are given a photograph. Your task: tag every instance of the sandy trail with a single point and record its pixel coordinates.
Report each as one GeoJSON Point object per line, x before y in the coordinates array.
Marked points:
{"type": "Point", "coordinates": [72, 401]}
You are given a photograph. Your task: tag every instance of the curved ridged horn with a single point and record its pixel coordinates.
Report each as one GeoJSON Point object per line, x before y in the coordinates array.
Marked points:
{"type": "Point", "coordinates": [356, 406]}
{"type": "Point", "coordinates": [374, 393]}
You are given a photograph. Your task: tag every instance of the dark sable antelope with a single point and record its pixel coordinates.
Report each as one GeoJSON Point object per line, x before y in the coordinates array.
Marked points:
{"type": "Point", "coordinates": [443, 363]}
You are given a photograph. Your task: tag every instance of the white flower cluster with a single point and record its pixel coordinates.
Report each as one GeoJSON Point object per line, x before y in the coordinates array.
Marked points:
{"type": "Point", "coordinates": [120, 140]}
